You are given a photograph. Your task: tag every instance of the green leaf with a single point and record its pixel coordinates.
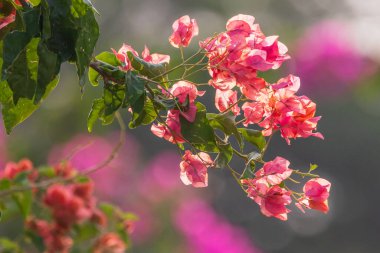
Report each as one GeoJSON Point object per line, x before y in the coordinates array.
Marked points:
{"type": "Point", "coordinates": [250, 165]}
{"type": "Point", "coordinates": [88, 34]}
{"type": "Point", "coordinates": [24, 202]}
{"type": "Point", "coordinates": [37, 241]}
{"type": "Point", "coordinates": [254, 137]}
{"type": "Point", "coordinates": [225, 155]}
{"type": "Point", "coordinates": [95, 113]}
{"type": "Point", "coordinates": [135, 89]}
{"type": "Point", "coordinates": [106, 57]}
{"type": "Point", "coordinates": [226, 123]}
{"type": "Point", "coordinates": [5, 184]}
{"type": "Point", "coordinates": [199, 133]}
{"type": "Point", "coordinates": [146, 69]}
{"type": "Point", "coordinates": [15, 114]}
{"type": "Point", "coordinates": [313, 167]}
{"type": "Point", "coordinates": [48, 69]}
{"type": "Point", "coordinates": [114, 97]}
{"type": "Point", "coordinates": [144, 117]}
{"type": "Point", "coordinates": [35, 2]}
{"type": "Point", "coordinates": [22, 74]}
{"type": "Point", "coordinates": [7, 246]}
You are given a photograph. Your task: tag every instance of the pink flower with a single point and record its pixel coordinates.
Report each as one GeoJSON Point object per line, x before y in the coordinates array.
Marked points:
{"type": "Point", "coordinates": [225, 99]}
{"type": "Point", "coordinates": [110, 243]}
{"type": "Point", "coordinates": [276, 171]}
{"type": "Point", "coordinates": [317, 191]}
{"type": "Point", "coordinates": [184, 29]}
{"type": "Point", "coordinates": [154, 58]}
{"type": "Point", "coordinates": [272, 200]}
{"type": "Point", "coordinates": [273, 204]}
{"type": "Point", "coordinates": [123, 57]}
{"type": "Point", "coordinates": [172, 130]}
{"type": "Point", "coordinates": [194, 169]}
{"type": "Point", "coordinates": [293, 115]}
{"type": "Point", "coordinates": [184, 89]}
{"type": "Point", "coordinates": [253, 112]}
{"type": "Point", "coordinates": [70, 204]}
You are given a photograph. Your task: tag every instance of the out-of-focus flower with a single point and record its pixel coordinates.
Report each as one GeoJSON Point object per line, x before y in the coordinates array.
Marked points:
{"type": "Point", "coordinates": [110, 243]}
{"type": "Point", "coordinates": [327, 61]}
{"type": "Point", "coordinates": [207, 232]}
{"type": "Point", "coordinates": [194, 168]}
{"type": "Point", "coordinates": [84, 151]}
{"type": "Point", "coordinates": [13, 169]}
{"type": "Point", "coordinates": [317, 192]}
{"type": "Point", "coordinates": [184, 29]}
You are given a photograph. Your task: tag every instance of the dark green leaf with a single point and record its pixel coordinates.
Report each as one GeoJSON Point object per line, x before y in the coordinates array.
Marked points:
{"type": "Point", "coordinates": [199, 133]}
{"type": "Point", "coordinates": [254, 137]}
{"type": "Point", "coordinates": [144, 117]}
{"type": "Point", "coordinates": [144, 68]}
{"type": "Point", "coordinates": [226, 123]}
{"type": "Point", "coordinates": [224, 156]}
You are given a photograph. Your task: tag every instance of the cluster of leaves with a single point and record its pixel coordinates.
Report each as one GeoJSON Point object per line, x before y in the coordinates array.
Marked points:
{"type": "Point", "coordinates": [24, 190]}
{"type": "Point", "coordinates": [45, 34]}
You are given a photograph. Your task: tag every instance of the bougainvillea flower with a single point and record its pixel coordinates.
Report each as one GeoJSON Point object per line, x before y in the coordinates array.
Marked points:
{"type": "Point", "coordinates": [274, 202]}
{"type": "Point", "coordinates": [276, 171]}
{"type": "Point", "coordinates": [172, 130]}
{"type": "Point", "coordinates": [110, 243]}
{"type": "Point", "coordinates": [194, 169]}
{"type": "Point", "coordinates": [13, 169]}
{"type": "Point", "coordinates": [271, 199]}
{"type": "Point", "coordinates": [184, 89]}
{"type": "Point", "coordinates": [253, 112]}
{"type": "Point", "coordinates": [122, 56]}
{"type": "Point", "coordinates": [154, 58]}
{"type": "Point", "coordinates": [317, 192]}
{"type": "Point", "coordinates": [184, 29]}
{"type": "Point", "coordinates": [225, 100]}
{"type": "Point", "coordinates": [293, 115]}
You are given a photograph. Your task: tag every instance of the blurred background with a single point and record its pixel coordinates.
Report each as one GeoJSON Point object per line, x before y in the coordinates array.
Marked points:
{"type": "Point", "coordinates": [335, 49]}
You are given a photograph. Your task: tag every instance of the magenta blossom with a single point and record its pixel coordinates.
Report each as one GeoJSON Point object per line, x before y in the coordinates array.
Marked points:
{"type": "Point", "coordinates": [327, 61]}
{"type": "Point", "coordinates": [207, 232]}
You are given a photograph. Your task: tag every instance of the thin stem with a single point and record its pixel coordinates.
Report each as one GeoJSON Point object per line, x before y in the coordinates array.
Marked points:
{"type": "Point", "coordinates": [47, 183]}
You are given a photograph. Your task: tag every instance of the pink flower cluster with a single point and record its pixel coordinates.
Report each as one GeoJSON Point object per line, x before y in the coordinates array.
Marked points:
{"type": "Point", "coordinates": [70, 204]}
{"type": "Point", "coordinates": [266, 190]}
{"type": "Point", "coordinates": [235, 57]}
{"type": "Point", "coordinates": [13, 169]}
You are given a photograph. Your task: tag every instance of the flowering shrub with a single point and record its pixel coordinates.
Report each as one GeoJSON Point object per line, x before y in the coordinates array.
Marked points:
{"type": "Point", "coordinates": [234, 59]}
{"type": "Point", "coordinates": [44, 34]}
{"type": "Point", "coordinates": [65, 216]}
